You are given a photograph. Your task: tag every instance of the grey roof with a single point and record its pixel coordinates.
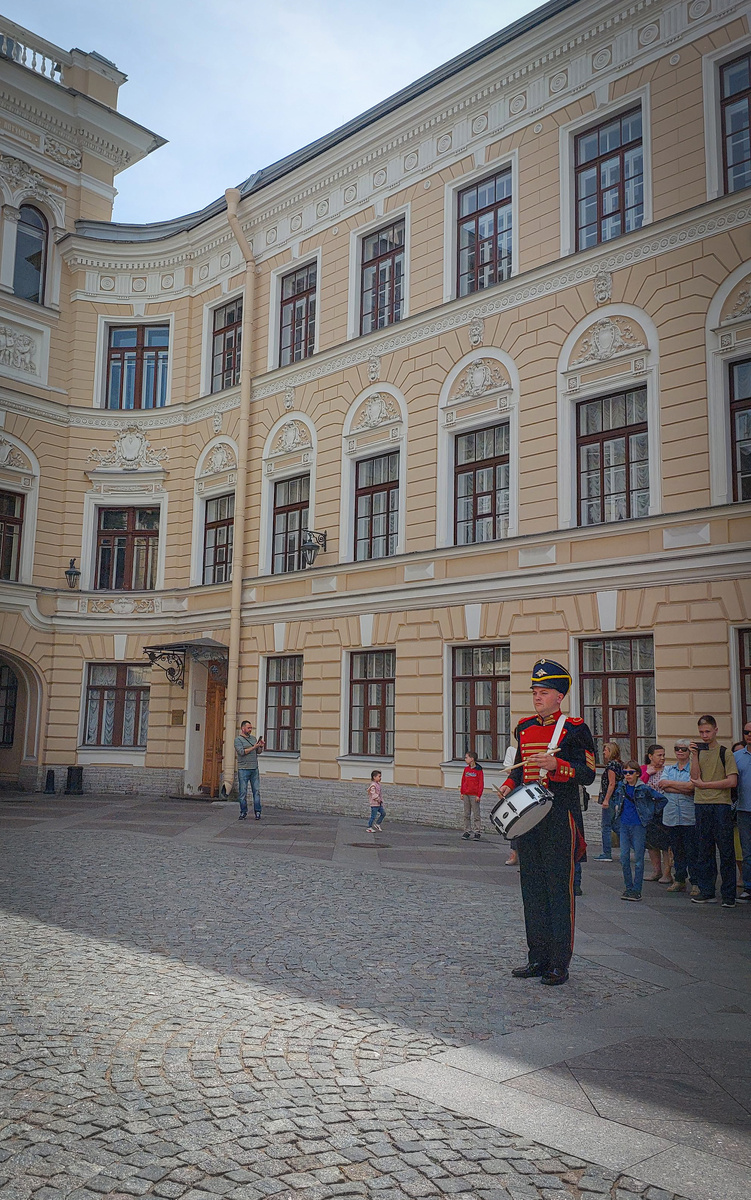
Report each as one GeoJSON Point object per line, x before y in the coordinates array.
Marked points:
{"type": "Point", "coordinates": [113, 231]}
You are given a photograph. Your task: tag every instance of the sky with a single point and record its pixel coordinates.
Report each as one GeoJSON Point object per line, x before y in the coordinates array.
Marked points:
{"type": "Point", "coordinates": [236, 84]}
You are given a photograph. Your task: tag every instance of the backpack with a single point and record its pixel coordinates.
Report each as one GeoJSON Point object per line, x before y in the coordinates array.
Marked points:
{"type": "Point", "coordinates": [733, 791]}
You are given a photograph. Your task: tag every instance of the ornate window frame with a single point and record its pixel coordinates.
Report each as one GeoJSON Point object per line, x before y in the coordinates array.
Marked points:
{"type": "Point", "coordinates": [727, 338]}
{"type": "Point", "coordinates": [631, 362]}
{"type": "Point", "coordinates": [207, 342]}
{"type": "Point", "coordinates": [290, 449]}
{"type": "Point", "coordinates": [480, 390]}
{"type": "Point", "coordinates": [215, 475]}
{"type": "Point", "coordinates": [450, 216]}
{"type": "Point", "coordinates": [376, 423]}
{"type": "Point", "coordinates": [402, 212]}
{"type": "Point", "coordinates": [567, 138]}
{"type": "Point", "coordinates": [105, 322]}
{"type": "Point", "coordinates": [21, 184]}
{"type": "Point", "coordinates": [277, 274]}
{"type": "Point", "coordinates": [710, 66]}
{"type": "Point", "coordinates": [19, 472]}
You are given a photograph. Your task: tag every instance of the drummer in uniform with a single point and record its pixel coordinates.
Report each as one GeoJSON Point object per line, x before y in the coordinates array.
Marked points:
{"type": "Point", "coordinates": [548, 852]}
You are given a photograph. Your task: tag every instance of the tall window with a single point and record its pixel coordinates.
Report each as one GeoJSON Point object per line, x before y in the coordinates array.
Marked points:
{"type": "Point", "coordinates": [618, 693]}
{"type": "Point", "coordinates": [612, 447]}
{"type": "Point", "coordinates": [11, 526]}
{"type": "Point", "coordinates": [376, 506]}
{"type": "Point", "coordinates": [117, 705]}
{"type": "Point", "coordinates": [740, 427]}
{"type": "Point", "coordinates": [8, 699]}
{"type": "Point", "coordinates": [372, 681]}
{"type": "Point", "coordinates": [284, 704]}
{"type": "Point", "coordinates": [297, 326]}
{"type": "Point", "coordinates": [382, 283]}
{"type": "Point", "coordinates": [31, 255]}
{"type": "Point", "coordinates": [126, 550]}
{"type": "Point", "coordinates": [137, 361]}
{"type": "Point", "coordinates": [291, 507]}
{"type": "Point", "coordinates": [482, 485]}
{"type": "Point", "coordinates": [226, 344]}
{"type": "Point", "coordinates": [218, 532]}
{"type": "Point", "coordinates": [744, 644]}
{"type": "Point", "coordinates": [482, 701]}
{"type": "Point", "coordinates": [609, 167]}
{"type": "Point", "coordinates": [484, 234]}
{"type": "Point", "coordinates": [735, 103]}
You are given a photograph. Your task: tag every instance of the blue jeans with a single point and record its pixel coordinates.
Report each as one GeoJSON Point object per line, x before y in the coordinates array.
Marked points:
{"type": "Point", "coordinates": [245, 776]}
{"type": "Point", "coordinates": [714, 834]}
{"type": "Point", "coordinates": [376, 810]}
{"type": "Point", "coordinates": [633, 837]}
{"type": "Point", "coordinates": [605, 819]}
{"type": "Point", "coordinates": [744, 833]}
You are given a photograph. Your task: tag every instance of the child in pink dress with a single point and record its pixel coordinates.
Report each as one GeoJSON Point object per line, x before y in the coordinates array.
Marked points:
{"type": "Point", "coordinates": [375, 796]}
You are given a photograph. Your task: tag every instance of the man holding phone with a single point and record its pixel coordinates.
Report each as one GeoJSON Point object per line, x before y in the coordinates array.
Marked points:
{"type": "Point", "coordinates": [713, 774]}
{"type": "Point", "coordinates": [247, 749]}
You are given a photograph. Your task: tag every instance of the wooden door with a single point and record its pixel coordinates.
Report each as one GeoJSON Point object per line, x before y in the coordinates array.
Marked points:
{"type": "Point", "coordinates": [213, 738]}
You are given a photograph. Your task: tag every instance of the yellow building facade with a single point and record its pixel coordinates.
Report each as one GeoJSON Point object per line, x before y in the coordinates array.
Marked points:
{"type": "Point", "coordinates": [497, 348]}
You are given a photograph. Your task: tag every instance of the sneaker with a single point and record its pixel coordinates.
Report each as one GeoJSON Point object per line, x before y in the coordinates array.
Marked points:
{"type": "Point", "coordinates": [604, 858]}
{"type": "Point", "coordinates": [632, 896]}
{"type": "Point", "coordinates": [369, 829]}
{"type": "Point", "coordinates": [243, 817]}
{"type": "Point", "coordinates": [745, 896]}
{"type": "Point", "coordinates": [626, 895]}
{"type": "Point", "coordinates": [701, 899]}
{"type": "Point", "coordinates": [728, 904]}
{"type": "Point", "coordinates": [477, 837]}
{"type": "Point", "coordinates": [466, 836]}
{"type": "Point", "coordinates": [258, 816]}
{"type": "Point", "coordinates": [677, 887]}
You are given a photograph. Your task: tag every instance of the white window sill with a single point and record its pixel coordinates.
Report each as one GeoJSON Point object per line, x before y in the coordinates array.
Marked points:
{"type": "Point", "coordinates": [355, 766]}
{"type": "Point", "coordinates": [115, 756]}
{"type": "Point", "coordinates": [276, 762]}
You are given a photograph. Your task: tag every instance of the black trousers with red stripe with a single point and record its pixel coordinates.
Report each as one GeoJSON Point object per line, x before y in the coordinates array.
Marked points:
{"type": "Point", "coordinates": [546, 862]}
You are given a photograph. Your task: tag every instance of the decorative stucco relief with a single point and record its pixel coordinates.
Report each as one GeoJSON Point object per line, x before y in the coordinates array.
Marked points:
{"type": "Point", "coordinates": [11, 457]}
{"type": "Point", "coordinates": [741, 302]}
{"type": "Point", "coordinates": [221, 458]}
{"type": "Point", "coordinates": [606, 339]}
{"type": "Point", "coordinates": [67, 156]}
{"type": "Point", "coordinates": [480, 377]}
{"type": "Point", "coordinates": [476, 332]}
{"type": "Point", "coordinates": [26, 182]}
{"type": "Point", "coordinates": [293, 436]}
{"type": "Point", "coordinates": [18, 349]}
{"type": "Point", "coordinates": [378, 409]}
{"type": "Point", "coordinates": [132, 451]}
{"type": "Point", "coordinates": [123, 606]}
{"type": "Point", "coordinates": [602, 286]}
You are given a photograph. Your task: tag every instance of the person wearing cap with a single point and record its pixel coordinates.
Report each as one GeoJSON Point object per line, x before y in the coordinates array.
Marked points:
{"type": "Point", "coordinates": [549, 851]}
{"type": "Point", "coordinates": [679, 816]}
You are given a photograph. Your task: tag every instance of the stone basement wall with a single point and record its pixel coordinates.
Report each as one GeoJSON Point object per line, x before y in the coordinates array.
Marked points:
{"type": "Point", "coordinates": [441, 807]}
{"type": "Point", "coordinates": [104, 780]}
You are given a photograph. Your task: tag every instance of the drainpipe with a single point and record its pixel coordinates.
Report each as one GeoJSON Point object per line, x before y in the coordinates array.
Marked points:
{"type": "Point", "coordinates": [232, 196]}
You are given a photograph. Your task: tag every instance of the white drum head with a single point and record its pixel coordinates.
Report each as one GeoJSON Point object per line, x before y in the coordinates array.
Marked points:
{"type": "Point", "coordinates": [521, 810]}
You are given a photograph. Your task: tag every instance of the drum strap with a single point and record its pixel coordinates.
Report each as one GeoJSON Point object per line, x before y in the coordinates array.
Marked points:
{"type": "Point", "coordinates": [557, 733]}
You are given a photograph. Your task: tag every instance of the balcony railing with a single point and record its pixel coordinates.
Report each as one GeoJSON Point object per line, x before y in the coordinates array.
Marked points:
{"type": "Point", "coordinates": [25, 48]}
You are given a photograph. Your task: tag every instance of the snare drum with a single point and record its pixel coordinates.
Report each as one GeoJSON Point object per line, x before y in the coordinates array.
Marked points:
{"type": "Point", "coordinates": [521, 810]}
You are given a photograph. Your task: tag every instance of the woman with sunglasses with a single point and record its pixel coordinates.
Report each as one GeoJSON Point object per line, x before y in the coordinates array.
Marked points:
{"type": "Point", "coordinates": [635, 804]}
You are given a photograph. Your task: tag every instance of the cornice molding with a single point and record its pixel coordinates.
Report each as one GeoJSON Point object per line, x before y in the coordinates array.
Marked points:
{"type": "Point", "coordinates": [76, 417]}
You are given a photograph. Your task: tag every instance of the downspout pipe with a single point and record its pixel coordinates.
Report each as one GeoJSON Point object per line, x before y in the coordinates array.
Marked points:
{"type": "Point", "coordinates": [232, 196]}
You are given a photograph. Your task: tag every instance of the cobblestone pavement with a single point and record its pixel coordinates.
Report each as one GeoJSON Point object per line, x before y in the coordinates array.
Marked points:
{"type": "Point", "coordinates": [186, 1020]}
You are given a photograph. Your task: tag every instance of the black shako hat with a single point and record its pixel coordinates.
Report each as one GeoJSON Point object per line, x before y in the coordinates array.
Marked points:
{"type": "Point", "coordinates": [549, 674]}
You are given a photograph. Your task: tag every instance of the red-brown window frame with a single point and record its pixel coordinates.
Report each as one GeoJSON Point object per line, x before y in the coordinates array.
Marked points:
{"type": "Point", "coordinates": [8, 704]}
{"type": "Point", "coordinates": [607, 707]}
{"type": "Point", "coordinates": [131, 535]}
{"type": "Point", "coordinates": [736, 406]}
{"type": "Point", "coordinates": [226, 344]}
{"type": "Point", "coordinates": [597, 162]}
{"type": "Point", "coordinates": [293, 663]}
{"type": "Point", "coordinates": [497, 206]}
{"type": "Point", "coordinates": [293, 559]}
{"type": "Point", "coordinates": [386, 679]}
{"type": "Point", "coordinates": [220, 550]}
{"type": "Point", "coordinates": [117, 353]}
{"type": "Point", "coordinates": [392, 317]}
{"type": "Point", "coordinates": [606, 435]}
{"type": "Point", "coordinates": [724, 102]}
{"type": "Point", "coordinates": [470, 738]}
{"type": "Point", "coordinates": [44, 235]}
{"type": "Point", "coordinates": [16, 522]}
{"type": "Point", "coordinates": [120, 687]}
{"type": "Point", "coordinates": [309, 294]}
{"type": "Point", "coordinates": [744, 672]}
{"type": "Point", "coordinates": [389, 487]}
{"type": "Point", "coordinates": [484, 464]}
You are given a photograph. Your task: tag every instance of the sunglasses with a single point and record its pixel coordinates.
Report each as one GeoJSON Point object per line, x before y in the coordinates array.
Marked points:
{"type": "Point", "coordinates": [686, 748]}
{"type": "Point", "coordinates": [747, 732]}
{"type": "Point", "coordinates": [631, 772]}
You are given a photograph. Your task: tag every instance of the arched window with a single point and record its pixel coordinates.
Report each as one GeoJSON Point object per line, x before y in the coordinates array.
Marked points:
{"type": "Point", "coordinates": [31, 255]}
